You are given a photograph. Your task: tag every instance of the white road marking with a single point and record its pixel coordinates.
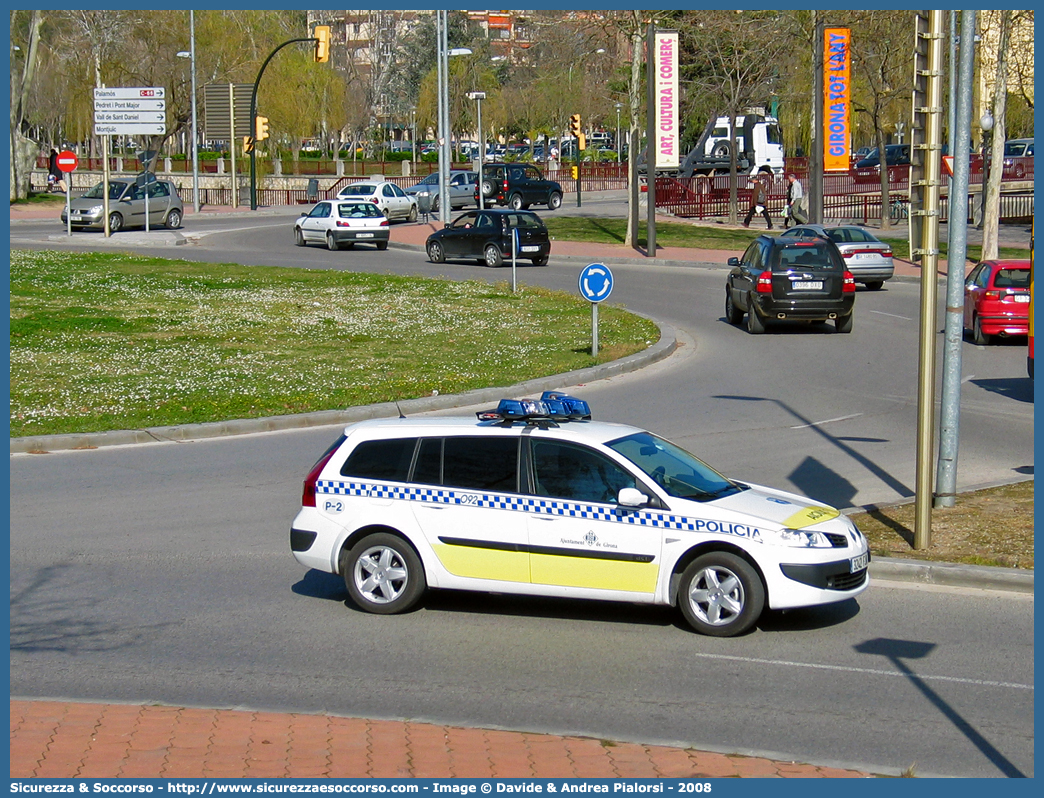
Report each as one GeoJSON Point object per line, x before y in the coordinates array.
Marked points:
{"type": "Point", "coordinates": [827, 421]}
{"type": "Point", "coordinates": [882, 313]}
{"type": "Point", "coordinates": [870, 671]}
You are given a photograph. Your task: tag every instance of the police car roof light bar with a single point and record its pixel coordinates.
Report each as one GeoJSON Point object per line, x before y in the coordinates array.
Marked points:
{"type": "Point", "coordinates": [552, 407]}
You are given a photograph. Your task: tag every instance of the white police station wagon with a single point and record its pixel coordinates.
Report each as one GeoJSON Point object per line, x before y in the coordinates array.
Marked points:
{"type": "Point", "coordinates": [535, 498]}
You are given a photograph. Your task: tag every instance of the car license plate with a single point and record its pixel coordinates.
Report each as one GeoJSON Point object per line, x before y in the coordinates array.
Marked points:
{"type": "Point", "coordinates": [1018, 297]}
{"type": "Point", "coordinates": [865, 256]}
{"type": "Point", "coordinates": [859, 563]}
{"type": "Point", "coordinates": [808, 285]}
{"type": "Point", "coordinates": [75, 218]}
{"type": "Point", "coordinates": [364, 235]}
{"type": "Point", "coordinates": [530, 248]}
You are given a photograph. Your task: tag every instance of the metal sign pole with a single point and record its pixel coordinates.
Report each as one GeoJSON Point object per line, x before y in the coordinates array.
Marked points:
{"type": "Point", "coordinates": [105, 183]}
{"type": "Point", "coordinates": [68, 203]}
{"type": "Point", "coordinates": [232, 140]}
{"type": "Point", "coordinates": [514, 253]}
{"type": "Point", "coordinates": [594, 329]}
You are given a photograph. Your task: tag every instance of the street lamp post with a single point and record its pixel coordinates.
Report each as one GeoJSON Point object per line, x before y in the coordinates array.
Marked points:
{"type": "Point", "coordinates": [478, 97]}
{"type": "Point", "coordinates": [618, 133]}
{"type": "Point", "coordinates": [191, 55]}
{"type": "Point", "coordinates": [986, 123]}
{"type": "Point", "coordinates": [442, 53]}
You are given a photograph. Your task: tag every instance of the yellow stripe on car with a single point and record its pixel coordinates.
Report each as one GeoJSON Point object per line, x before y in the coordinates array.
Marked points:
{"type": "Point", "coordinates": [635, 577]}
{"type": "Point", "coordinates": [809, 516]}
{"type": "Point", "coordinates": [480, 563]}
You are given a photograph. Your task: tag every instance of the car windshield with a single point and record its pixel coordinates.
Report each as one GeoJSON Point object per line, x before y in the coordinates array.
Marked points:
{"type": "Point", "coordinates": [806, 255]}
{"type": "Point", "coordinates": [362, 190]}
{"type": "Point", "coordinates": [358, 210]}
{"type": "Point", "coordinates": [116, 189]}
{"type": "Point", "coordinates": [679, 473]}
{"type": "Point", "coordinates": [430, 180]}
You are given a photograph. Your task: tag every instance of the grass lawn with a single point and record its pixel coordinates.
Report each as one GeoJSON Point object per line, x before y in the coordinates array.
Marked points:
{"type": "Point", "coordinates": [113, 341]}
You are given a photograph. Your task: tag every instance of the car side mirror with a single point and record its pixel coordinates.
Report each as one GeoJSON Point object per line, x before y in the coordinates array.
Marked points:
{"type": "Point", "coordinates": [733, 262]}
{"type": "Point", "coordinates": [631, 497]}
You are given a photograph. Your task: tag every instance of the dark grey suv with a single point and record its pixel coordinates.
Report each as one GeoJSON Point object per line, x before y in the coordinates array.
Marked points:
{"type": "Point", "coordinates": [518, 186]}
{"type": "Point", "coordinates": [790, 280]}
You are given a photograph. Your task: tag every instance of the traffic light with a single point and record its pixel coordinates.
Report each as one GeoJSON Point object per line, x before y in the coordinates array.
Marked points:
{"type": "Point", "coordinates": [248, 144]}
{"type": "Point", "coordinates": [260, 128]}
{"type": "Point", "coordinates": [574, 125]}
{"type": "Point", "coordinates": [574, 172]}
{"type": "Point", "coordinates": [322, 43]}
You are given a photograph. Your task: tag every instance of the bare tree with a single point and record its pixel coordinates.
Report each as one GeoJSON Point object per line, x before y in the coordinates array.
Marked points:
{"type": "Point", "coordinates": [24, 149]}
{"type": "Point", "coordinates": [991, 212]}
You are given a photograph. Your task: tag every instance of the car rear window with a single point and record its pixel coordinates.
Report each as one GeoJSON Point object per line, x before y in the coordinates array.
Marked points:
{"type": "Point", "coordinates": [358, 210]}
{"type": "Point", "coordinates": [1011, 278]}
{"type": "Point", "coordinates": [811, 256]}
{"type": "Point", "coordinates": [525, 221]}
{"type": "Point", "coordinates": [358, 191]}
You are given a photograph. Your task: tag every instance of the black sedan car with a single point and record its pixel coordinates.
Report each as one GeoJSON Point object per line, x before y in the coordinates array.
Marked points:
{"type": "Point", "coordinates": [788, 279]}
{"type": "Point", "coordinates": [488, 236]}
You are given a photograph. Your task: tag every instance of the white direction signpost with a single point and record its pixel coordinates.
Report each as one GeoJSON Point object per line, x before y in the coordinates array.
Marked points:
{"type": "Point", "coordinates": [123, 111]}
{"type": "Point", "coordinates": [596, 284]}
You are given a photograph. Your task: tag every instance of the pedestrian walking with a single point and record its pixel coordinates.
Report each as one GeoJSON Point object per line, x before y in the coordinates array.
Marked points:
{"type": "Point", "coordinates": [55, 175]}
{"type": "Point", "coordinates": [758, 198]}
{"type": "Point", "coordinates": [796, 209]}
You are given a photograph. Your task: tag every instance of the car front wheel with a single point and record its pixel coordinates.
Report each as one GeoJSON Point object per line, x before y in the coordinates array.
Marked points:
{"type": "Point", "coordinates": [494, 257]}
{"type": "Point", "coordinates": [383, 574]}
{"type": "Point", "coordinates": [331, 243]}
{"type": "Point", "coordinates": [733, 315]}
{"type": "Point", "coordinates": [436, 254]}
{"type": "Point", "coordinates": [115, 222]}
{"type": "Point", "coordinates": [721, 595]}
{"type": "Point", "coordinates": [298, 237]}
{"type": "Point", "coordinates": [413, 213]}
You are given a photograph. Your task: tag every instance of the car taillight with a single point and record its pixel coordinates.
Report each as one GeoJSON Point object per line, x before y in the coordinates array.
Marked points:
{"type": "Point", "coordinates": [993, 294]}
{"type": "Point", "coordinates": [375, 201]}
{"type": "Point", "coordinates": [343, 224]}
{"type": "Point", "coordinates": [308, 494]}
{"type": "Point", "coordinates": [848, 286]}
{"type": "Point", "coordinates": [384, 223]}
{"type": "Point", "coordinates": [764, 284]}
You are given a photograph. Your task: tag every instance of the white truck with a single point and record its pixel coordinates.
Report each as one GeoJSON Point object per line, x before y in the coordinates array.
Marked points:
{"type": "Point", "coordinates": [759, 144]}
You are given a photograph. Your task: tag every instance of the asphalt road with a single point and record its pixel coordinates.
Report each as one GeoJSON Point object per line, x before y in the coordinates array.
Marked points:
{"type": "Point", "coordinates": [162, 572]}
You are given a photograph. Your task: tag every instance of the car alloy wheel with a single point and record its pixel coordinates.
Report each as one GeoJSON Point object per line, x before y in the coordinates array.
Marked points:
{"type": "Point", "coordinates": [554, 202]}
{"type": "Point", "coordinates": [721, 594]}
{"type": "Point", "coordinates": [298, 237]}
{"type": "Point", "coordinates": [436, 254]}
{"type": "Point", "coordinates": [515, 203]}
{"type": "Point", "coordinates": [173, 219]}
{"type": "Point", "coordinates": [383, 574]}
{"type": "Point", "coordinates": [115, 222]}
{"type": "Point", "coordinates": [494, 257]}
{"type": "Point", "coordinates": [413, 212]}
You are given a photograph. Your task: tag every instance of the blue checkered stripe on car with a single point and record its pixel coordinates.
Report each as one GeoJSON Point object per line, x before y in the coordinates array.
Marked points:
{"type": "Point", "coordinates": [499, 501]}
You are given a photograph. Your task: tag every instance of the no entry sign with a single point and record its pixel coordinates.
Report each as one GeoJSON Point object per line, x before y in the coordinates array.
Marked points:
{"type": "Point", "coordinates": [66, 161]}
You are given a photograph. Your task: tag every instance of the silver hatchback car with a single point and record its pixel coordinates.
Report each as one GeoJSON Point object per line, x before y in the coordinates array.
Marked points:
{"type": "Point", "coordinates": [127, 206]}
{"type": "Point", "coordinates": [867, 257]}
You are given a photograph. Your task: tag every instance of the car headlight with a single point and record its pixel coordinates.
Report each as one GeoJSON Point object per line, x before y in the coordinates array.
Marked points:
{"type": "Point", "coordinates": [95, 209]}
{"type": "Point", "coordinates": [801, 539]}
{"type": "Point", "coordinates": [422, 193]}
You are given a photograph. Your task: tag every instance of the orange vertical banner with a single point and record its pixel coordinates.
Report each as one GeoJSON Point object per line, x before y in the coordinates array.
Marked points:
{"type": "Point", "coordinates": [837, 88]}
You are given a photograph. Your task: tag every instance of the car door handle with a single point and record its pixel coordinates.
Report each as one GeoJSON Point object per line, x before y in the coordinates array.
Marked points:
{"type": "Point", "coordinates": [544, 518]}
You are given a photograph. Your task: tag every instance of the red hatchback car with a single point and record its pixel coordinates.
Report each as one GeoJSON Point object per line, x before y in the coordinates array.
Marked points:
{"type": "Point", "coordinates": [997, 299]}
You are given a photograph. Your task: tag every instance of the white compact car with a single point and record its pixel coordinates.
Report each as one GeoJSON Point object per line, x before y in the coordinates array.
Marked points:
{"type": "Point", "coordinates": [392, 201]}
{"type": "Point", "coordinates": [340, 223]}
{"type": "Point", "coordinates": [535, 498]}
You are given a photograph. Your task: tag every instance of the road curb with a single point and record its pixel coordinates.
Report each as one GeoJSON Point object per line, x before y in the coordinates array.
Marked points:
{"type": "Point", "coordinates": [664, 347]}
{"type": "Point", "coordinates": [985, 577]}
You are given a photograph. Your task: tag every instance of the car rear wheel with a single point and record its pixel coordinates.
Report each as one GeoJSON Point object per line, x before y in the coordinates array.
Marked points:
{"type": "Point", "coordinates": [382, 245]}
{"type": "Point", "coordinates": [541, 261]}
{"type": "Point", "coordinates": [494, 257]}
{"type": "Point", "coordinates": [733, 315]}
{"type": "Point", "coordinates": [843, 324]}
{"type": "Point", "coordinates": [115, 222]}
{"type": "Point", "coordinates": [331, 243]}
{"type": "Point", "coordinates": [383, 574]}
{"type": "Point", "coordinates": [554, 202]}
{"type": "Point", "coordinates": [298, 237]}
{"type": "Point", "coordinates": [515, 202]}
{"type": "Point", "coordinates": [874, 285]}
{"type": "Point", "coordinates": [436, 254]}
{"type": "Point", "coordinates": [721, 595]}
{"type": "Point", "coordinates": [173, 220]}
{"type": "Point", "coordinates": [755, 325]}
{"type": "Point", "coordinates": [978, 336]}
{"type": "Point", "coordinates": [413, 212]}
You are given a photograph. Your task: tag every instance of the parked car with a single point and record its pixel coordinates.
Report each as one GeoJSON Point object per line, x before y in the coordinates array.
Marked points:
{"type": "Point", "coordinates": [126, 206]}
{"type": "Point", "coordinates": [340, 223]}
{"type": "Point", "coordinates": [518, 185]}
{"type": "Point", "coordinates": [866, 256]}
{"type": "Point", "coordinates": [869, 169]}
{"type": "Point", "coordinates": [997, 300]}
{"type": "Point", "coordinates": [787, 279]}
{"type": "Point", "coordinates": [536, 498]}
{"type": "Point", "coordinates": [461, 189]}
{"type": "Point", "coordinates": [392, 201]}
{"type": "Point", "coordinates": [862, 152]}
{"type": "Point", "coordinates": [487, 237]}
{"type": "Point", "coordinates": [1016, 153]}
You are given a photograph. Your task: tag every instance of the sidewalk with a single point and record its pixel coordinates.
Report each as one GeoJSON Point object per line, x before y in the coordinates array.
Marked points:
{"type": "Point", "coordinates": [57, 739]}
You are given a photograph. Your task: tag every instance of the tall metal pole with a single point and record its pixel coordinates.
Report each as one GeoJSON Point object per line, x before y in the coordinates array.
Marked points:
{"type": "Point", "coordinates": [929, 223]}
{"type": "Point", "coordinates": [950, 411]}
{"type": "Point", "coordinates": [445, 161]}
{"type": "Point", "coordinates": [650, 138]}
{"type": "Point", "coordinates": [814, 200]}
{"type": "Point", "coordinates": [195, 126]}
